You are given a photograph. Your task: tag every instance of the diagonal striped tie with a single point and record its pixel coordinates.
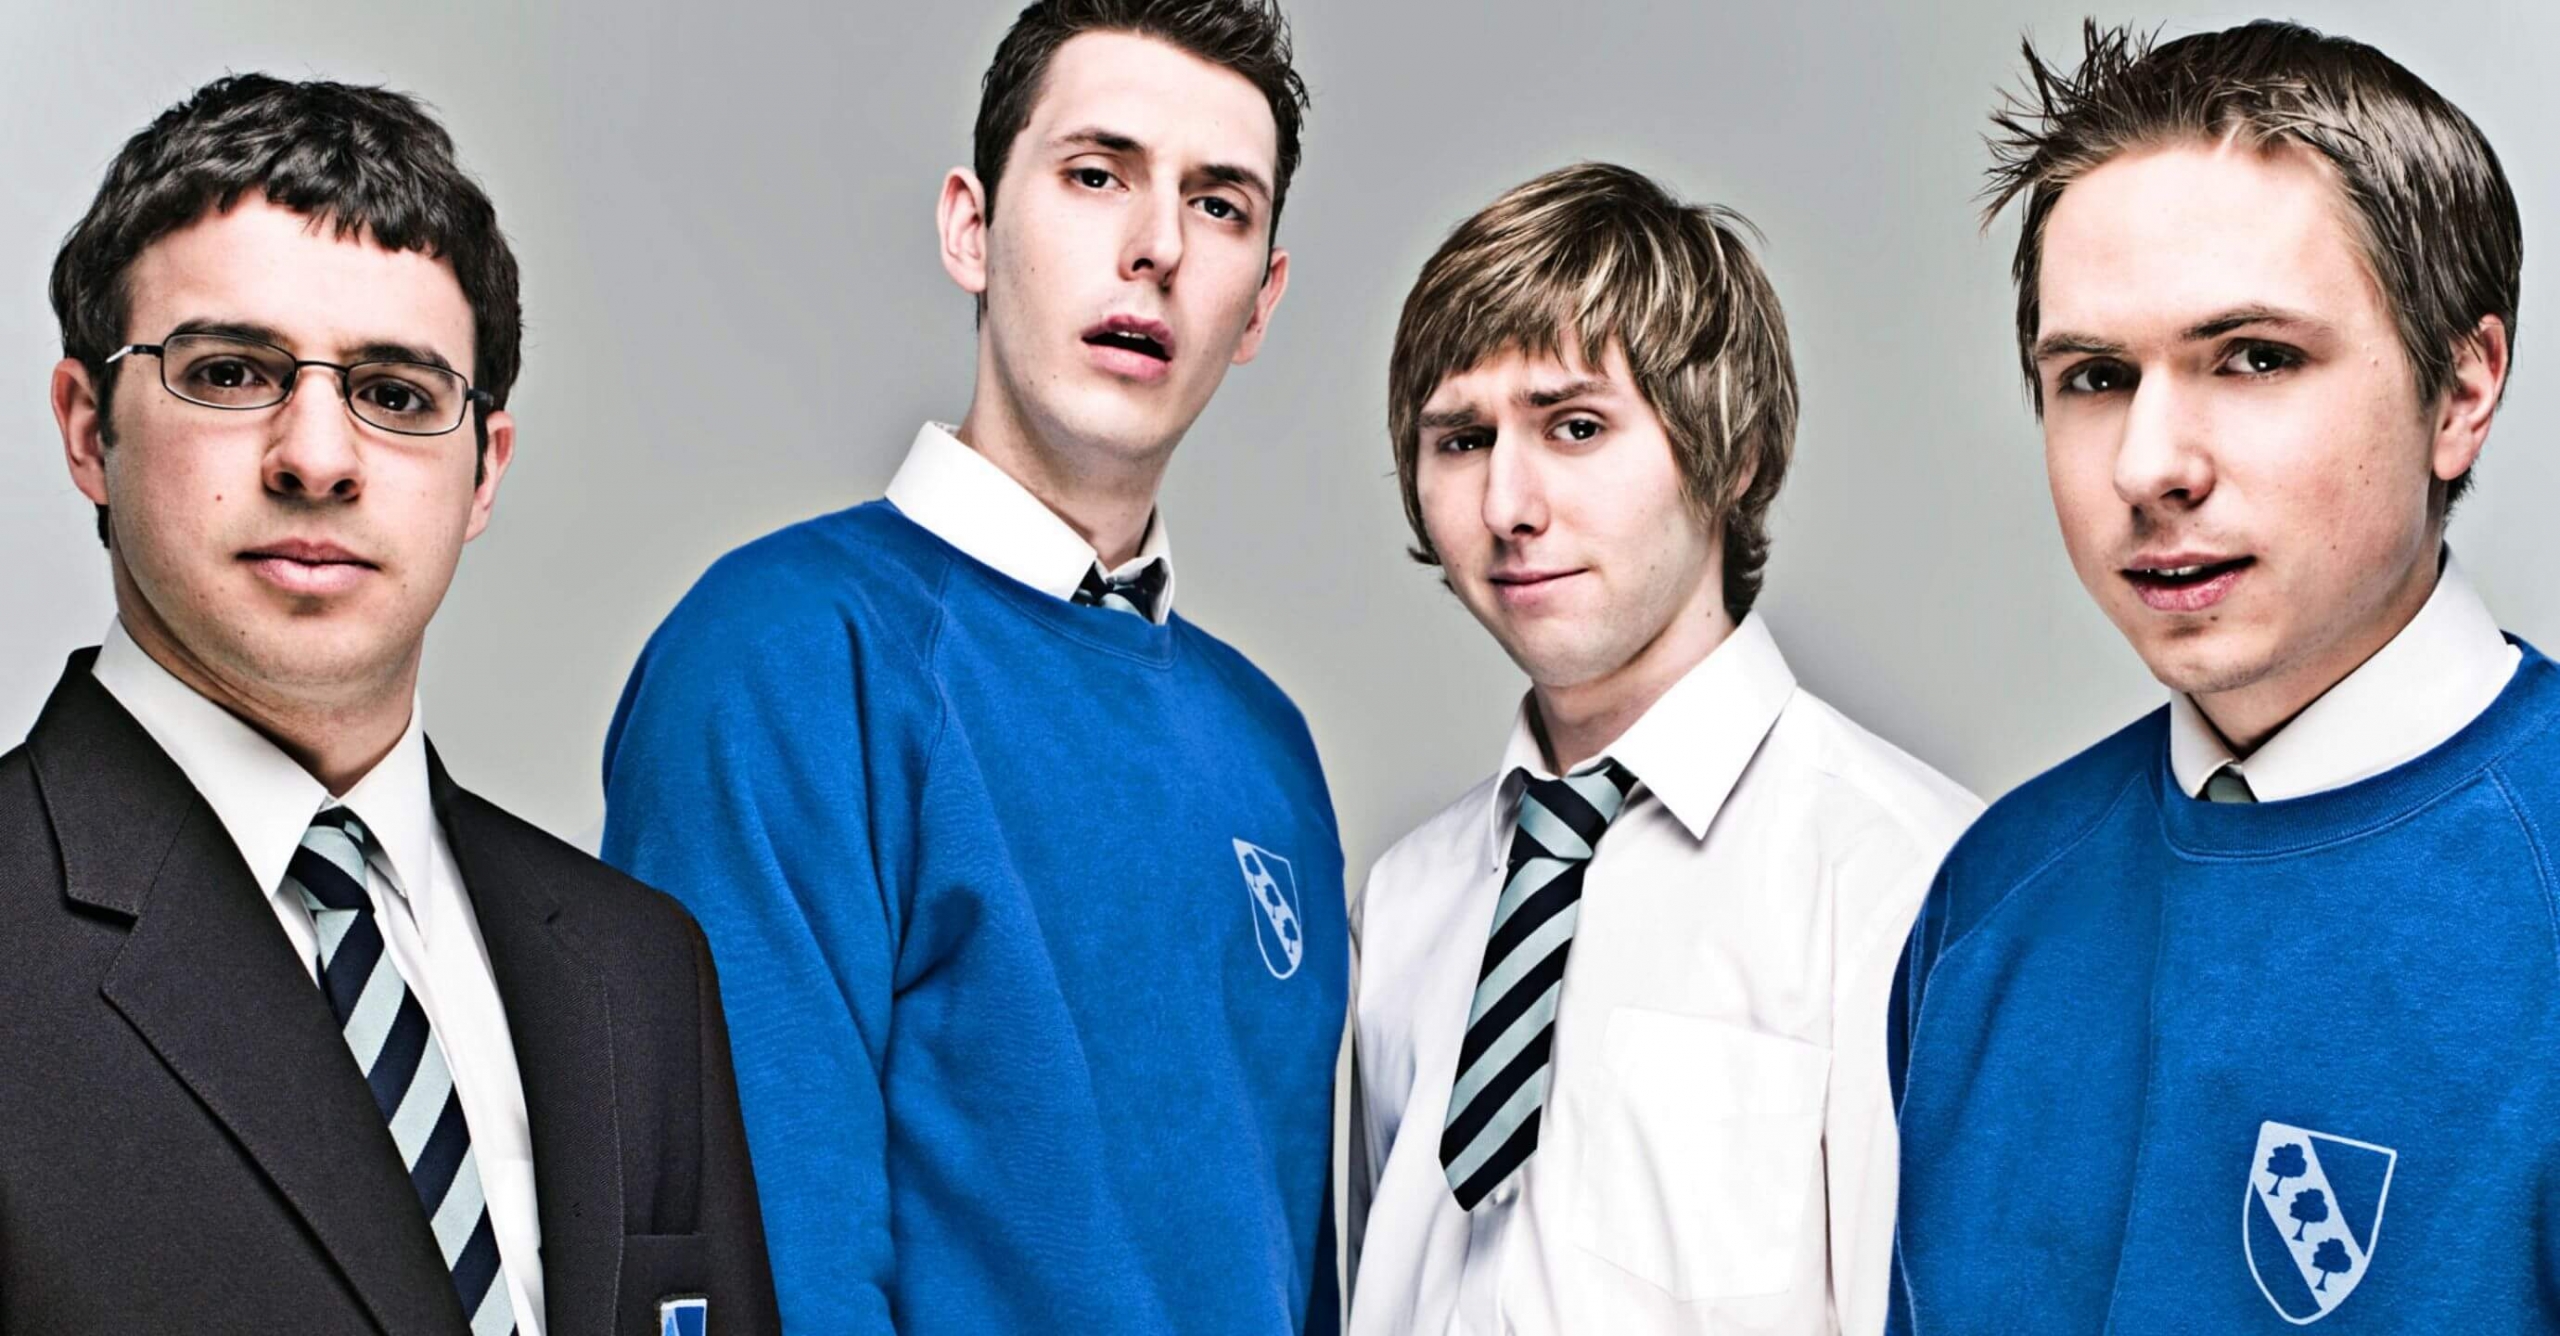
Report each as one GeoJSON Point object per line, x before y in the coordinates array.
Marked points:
{"type": "Point", "coordinates": [1503, 1061]}
{"type": "Point", "coordinates": [2228, 785]}
{"type": "Point", "coordinates": [1140, 593]}
{"type": "Point", "coordinates": [387, 1031]}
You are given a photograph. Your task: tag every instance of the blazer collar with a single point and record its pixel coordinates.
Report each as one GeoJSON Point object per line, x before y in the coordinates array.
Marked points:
{"type": "Point", "coordinates": [214, 989]}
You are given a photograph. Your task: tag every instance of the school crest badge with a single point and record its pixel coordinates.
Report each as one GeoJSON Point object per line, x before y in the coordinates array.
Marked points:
{"type": "Point", "coordinates": [1278, 927]}
{"type": "Point", "coordinates": [2313, 1217]}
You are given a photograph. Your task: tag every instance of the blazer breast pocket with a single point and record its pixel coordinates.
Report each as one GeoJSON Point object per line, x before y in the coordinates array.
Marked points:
{"type": "Point", "coordinates": [1701, 1153]}
{"type": "Point", "coordinates": [657, 1267]}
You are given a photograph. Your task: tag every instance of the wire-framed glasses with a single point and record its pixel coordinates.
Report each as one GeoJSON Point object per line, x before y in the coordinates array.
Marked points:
{"type": "Point", "coordinates": [223, 371]}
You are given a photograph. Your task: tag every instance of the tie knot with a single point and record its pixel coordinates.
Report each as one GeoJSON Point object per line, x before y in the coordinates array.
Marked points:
{"type": "Point", "coordinates": [1563, 818]}
{"type": "Point", "coordinates": [1140, 593]}
{"type": "Point", "coordinates": [2228, 785]}
{"type": "Point", "coordinates": [328, 868]}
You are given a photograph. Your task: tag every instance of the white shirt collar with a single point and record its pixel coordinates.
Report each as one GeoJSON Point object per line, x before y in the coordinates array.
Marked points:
{"type": "Point", "coordinates": [264, 798]}
{"type": "Point", "coordinates": [2434, 677]}
{"type": "Point", "coordinates": [1689, 748]}
{"type": "Point", "coordinates": [964, 499]}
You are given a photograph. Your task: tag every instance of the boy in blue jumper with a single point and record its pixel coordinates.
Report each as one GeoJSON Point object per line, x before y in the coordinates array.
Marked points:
{"type": "Point", "coordinates": [2245, 1017]}
{"type": "Point", "coordinates": [1026, 893]}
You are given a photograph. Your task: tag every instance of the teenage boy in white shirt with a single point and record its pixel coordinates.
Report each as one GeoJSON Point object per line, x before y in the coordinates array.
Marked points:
{"type": "Point", "coordinates": [1687, 1127]}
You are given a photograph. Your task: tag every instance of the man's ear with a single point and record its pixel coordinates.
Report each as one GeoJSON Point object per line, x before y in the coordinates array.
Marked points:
{"type": "Point", "coordinates": [1275, 281]}
{"type": "Point", "coordinates": [962, 220]}
{"type": "Point", "coordinates": [493, 466]}
{"type": "Point", "coordinates": [83, 420]}
{"type": "Point", "coordinates": [2470, 399]}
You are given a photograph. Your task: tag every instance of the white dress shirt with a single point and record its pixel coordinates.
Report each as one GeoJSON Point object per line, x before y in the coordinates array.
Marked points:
{"type": "Point", "coordinates": [962, 498]}
{"type": "Point", "coordinates": [1717, 1151]}
{"type": "Point", "coordinates": [266, 801]}
{"type": "Point", "coordinates": [2434, 677]}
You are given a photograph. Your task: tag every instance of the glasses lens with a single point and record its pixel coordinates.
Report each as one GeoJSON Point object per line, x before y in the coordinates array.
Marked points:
{"type": "Point", "coordinates": [221, 372]}
{"type": "Point", "coordinates": [409, 397]}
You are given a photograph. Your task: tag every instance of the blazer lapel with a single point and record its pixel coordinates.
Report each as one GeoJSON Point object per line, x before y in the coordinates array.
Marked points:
{"type": "Point", "coordinates": [212, 986]}
{"type": "Point", "coordinates": [561, 1019]}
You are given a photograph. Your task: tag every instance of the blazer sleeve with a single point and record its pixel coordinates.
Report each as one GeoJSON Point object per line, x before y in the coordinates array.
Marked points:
{"type": "Point", "coordinates": [738, 779]}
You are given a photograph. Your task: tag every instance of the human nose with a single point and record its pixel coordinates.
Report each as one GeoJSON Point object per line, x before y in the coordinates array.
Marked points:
{"type": "Point", "coordinates": [313, 453]}
{"type": "Point", "coordinates": [2162, 460]}
{"type": "Point", "coordinates": [1515, 492]}
{"type": "Point", "coordinates": [1154, 246]}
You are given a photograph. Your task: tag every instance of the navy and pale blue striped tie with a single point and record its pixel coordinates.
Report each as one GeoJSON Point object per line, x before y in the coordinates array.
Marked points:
{"type": "Point", "coordinates": [1503, 1062]}
{"type": "Point", "coordinates": [387, 1031]}
{"type": "Point", "coordinates": [1142, 593]}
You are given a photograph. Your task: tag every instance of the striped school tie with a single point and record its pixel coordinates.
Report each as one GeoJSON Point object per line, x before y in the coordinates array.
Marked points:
{"type": "Point", "coordinates": [1503, 1062]}
{"type": "Point", "coordinates": [2228, 785]}
{"type": "Point", "coordinates": [1140, 593]}
{"type": "Point", "coordinates": [387, 1031]}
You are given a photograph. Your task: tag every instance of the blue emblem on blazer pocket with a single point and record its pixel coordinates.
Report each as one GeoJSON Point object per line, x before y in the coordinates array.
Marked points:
{"type": "Point", "coordinates": [684, 1315]}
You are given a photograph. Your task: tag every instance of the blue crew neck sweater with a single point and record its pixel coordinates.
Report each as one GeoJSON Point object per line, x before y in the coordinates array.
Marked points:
{"type": "Point", "coordinates": [2174, 1066]}
{"type": "Point", "coordinates": [1030, 924]}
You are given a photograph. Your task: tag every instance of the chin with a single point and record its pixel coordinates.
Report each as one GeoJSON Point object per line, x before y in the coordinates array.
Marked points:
{"type": "Point", "coordinates": [2204, 664]}
{"type": "Point", "coordinates": [1132, 420]}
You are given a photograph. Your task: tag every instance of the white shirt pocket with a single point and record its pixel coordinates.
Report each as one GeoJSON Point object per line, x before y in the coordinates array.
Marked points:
{"type": "Point", "coordinates": [1701, 1153]}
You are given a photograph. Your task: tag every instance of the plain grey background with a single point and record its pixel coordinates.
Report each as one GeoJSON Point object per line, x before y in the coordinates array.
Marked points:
{"type": "Point", "coordinates": [737, 320]}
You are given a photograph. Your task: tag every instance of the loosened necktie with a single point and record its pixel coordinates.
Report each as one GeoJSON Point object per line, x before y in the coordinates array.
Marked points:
{"type": "Point", "coordinates": [1503, 1062]}
{"type": "Point", "coordinates": [1140, 593]}
{"type": "Point", "coordinates": [2228, 785]}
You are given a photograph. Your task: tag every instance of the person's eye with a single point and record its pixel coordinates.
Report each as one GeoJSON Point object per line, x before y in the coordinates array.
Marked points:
{"type": "Point", "coordinates": [1221, 208]}
{"type": "Point", "coordinates": [1458, 442]}
{"type": "Point", "coordinates": [226, 373]}
{"type": "Point", "coordinates": [1092, 178]}
{"type": "Point", "coordinates": [1578, 429]}
{"type": "Point", "coordinates": [2259, 359]}
{"type": "Point", "coordinates": [2098, 376]}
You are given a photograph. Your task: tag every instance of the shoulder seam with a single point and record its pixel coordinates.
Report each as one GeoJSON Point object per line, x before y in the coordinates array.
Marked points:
{"type": "Point", "coordinates": [2534, 841]}
{"type": "Point", "coordinates": [2131, 784]}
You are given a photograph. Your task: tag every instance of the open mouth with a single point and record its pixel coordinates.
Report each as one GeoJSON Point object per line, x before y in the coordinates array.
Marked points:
{"type": "Point", "coordinates": [2185, 577]}
{"type": "Point", "coordinates": [1129, 341]}
{"type": "Point", "coordinates": [1150, 342]}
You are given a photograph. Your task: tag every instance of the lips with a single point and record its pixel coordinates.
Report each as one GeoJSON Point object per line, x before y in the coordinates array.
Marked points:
{"type": "Point", "coordinates": [307, 567]}
{"type": "Point", "coordinates": [1132, 346]}
{"type": "Point", "coordinates": [2185, 581]}
{"type": "Point", "coordinates": [1527, 588]}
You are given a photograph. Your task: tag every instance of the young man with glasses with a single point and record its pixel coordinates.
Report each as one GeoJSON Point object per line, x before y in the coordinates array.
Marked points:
{"type": "Point", "coordinates": [1026, 891]}
{"type": "Point", "coordinates": [2286, 946]}
{"type": "Point", "coordinates": [1620, 1044]}
{"type": "Point", "coordinates": [303, 1035]}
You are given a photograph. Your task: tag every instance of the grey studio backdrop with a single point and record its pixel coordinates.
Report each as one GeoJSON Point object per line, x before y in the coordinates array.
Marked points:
{"type": "Point", "coordinates": [737, 320]}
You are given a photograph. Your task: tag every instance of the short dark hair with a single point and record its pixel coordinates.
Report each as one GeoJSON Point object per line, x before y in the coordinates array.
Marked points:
{"type": "Point", "coordinates": [366, 161]}
{"type": "Point", "coordinates": [2426, 198]}
{"type": "Point", "coordinates": [1250, 37]}
{"type": "Point", "coordinates": [1600, 254]}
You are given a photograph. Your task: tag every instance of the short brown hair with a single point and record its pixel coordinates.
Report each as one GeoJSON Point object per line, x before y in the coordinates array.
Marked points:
{"type": "Point", "coordinates": [1250, 37]}
{"type": "Point", "coordinates": [1600, 254]}
{"type": "Point", "coordinates": [2427, 201]}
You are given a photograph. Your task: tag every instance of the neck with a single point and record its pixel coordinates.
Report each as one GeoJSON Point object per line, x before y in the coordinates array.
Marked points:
{"type": "Point", "coordinates": [337, 741]}
{"type": "Point", "coordinates": [2246, 716]}
{"type": "Point", "coordinates": [1578, 722]}
{"type": "Point", "coordinates": [1106, 496]}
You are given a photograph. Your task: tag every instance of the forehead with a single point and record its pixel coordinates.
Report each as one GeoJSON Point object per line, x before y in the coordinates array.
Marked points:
{"type": "Point", "coordinates": [265, 264]}
{"type": "Point", "coordinates": [1158, 94]}
{"type": "Point", "coordinates": [1515, 371]}
{"type": "Point", "coordinates": [2163, 237]}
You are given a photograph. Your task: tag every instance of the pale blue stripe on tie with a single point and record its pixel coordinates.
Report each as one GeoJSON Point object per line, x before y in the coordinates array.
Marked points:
{"type": "Point", "coordinates": [1597, 790]}
{"type": "Point", "coordinates": [1506, 1120]}
{"type": "Point", "coordinates": [370, 1023]}
{"type": "Point", "coordinates": [1535, 947]}
{"type": "Point", "coordinates": [333, 928]}
{"type": "Point", "coordinates": [497, 1315]}
{"type": "Point", "coordinates": [1503, 1050]}
{"type": "Point", "coordinates": [460, 1213]}
{"type": "Point", "coordinates": [422, 1106]}
{"type": "Point", "coordinates": [1532, 878]}
{"type": "Point", "coordinates": [1551, 833]}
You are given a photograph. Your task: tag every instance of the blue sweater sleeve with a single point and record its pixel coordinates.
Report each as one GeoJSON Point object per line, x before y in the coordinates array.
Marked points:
{"type": "Point", "coordinates": [737, 779]}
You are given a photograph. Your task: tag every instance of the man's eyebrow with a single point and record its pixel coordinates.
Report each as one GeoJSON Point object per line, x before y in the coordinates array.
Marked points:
{"type": "Point", "coordinates": [379, 351]}
{"type": "Point", "coordinates": [2240, 316]}
{"type": "Point", "coordinates": [1109, 141]}
{"type": "Point", "coordinates": [246, 330]}
{"type": "Point", "coordinates": [1550, 396]}
{"type": "Point", "coordinates": [2075, 345]}
{"type": "Point", "coordinates": [1227, 173]}
{"type": "Point", "coordinates": [1464, 416]}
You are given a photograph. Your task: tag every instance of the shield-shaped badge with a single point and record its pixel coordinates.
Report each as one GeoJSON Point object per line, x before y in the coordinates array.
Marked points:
{"type": "Point", "coordinates": [1273, 884]}
{"type": "Point", "coordinates": [2312, 1218]}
